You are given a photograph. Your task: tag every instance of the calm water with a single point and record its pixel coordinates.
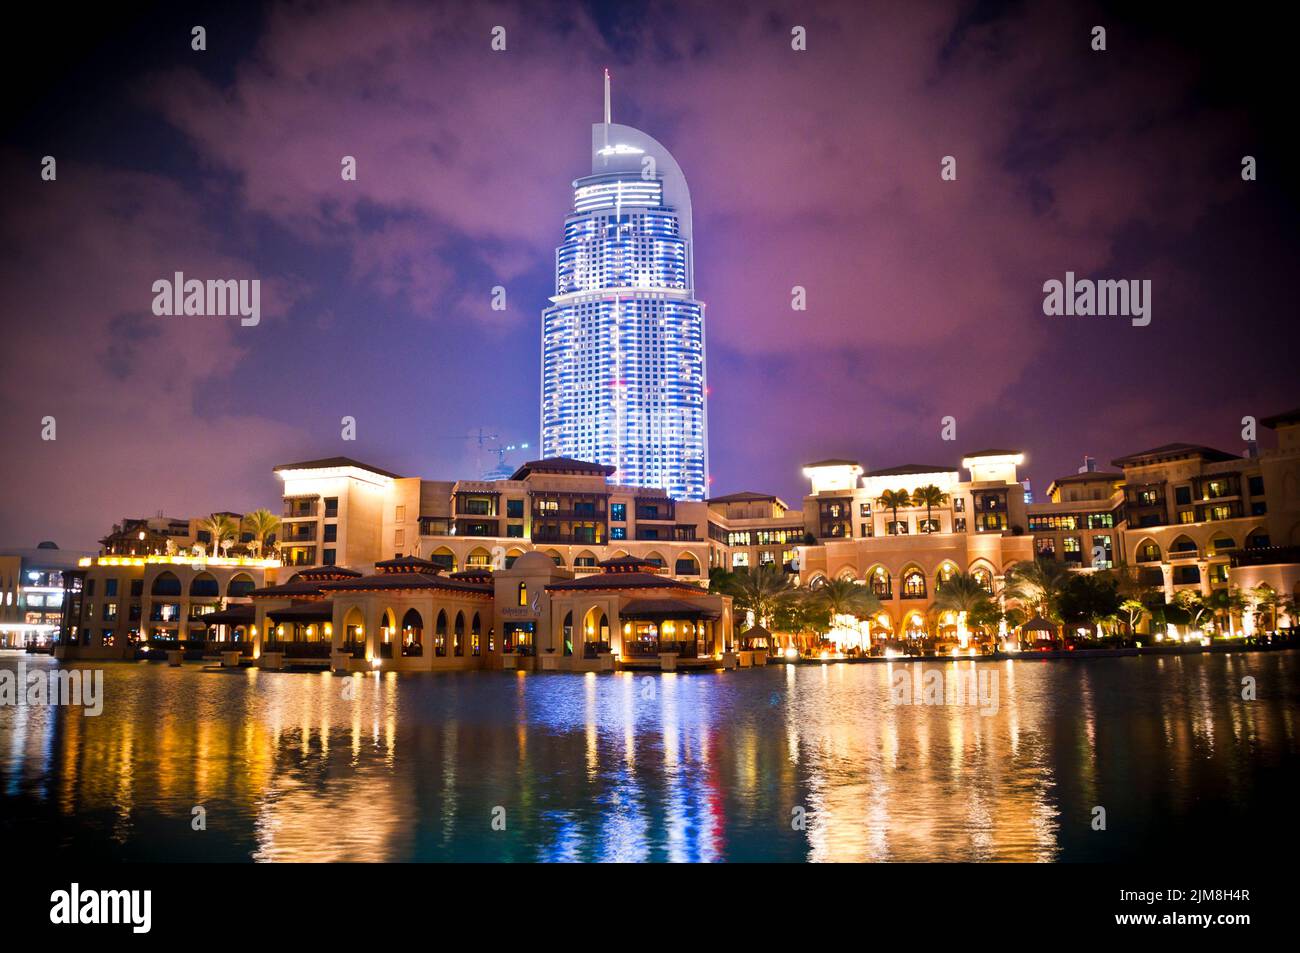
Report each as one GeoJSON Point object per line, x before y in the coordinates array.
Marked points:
{"type": "Point", "coordinates": [675, 767]}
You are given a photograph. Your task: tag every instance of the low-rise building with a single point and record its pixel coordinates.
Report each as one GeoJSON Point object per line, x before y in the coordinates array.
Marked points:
{"type": "Point", "coordinates": [31, 594]}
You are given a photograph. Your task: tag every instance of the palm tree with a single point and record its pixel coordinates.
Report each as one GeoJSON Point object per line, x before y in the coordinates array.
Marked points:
{"type": "Point", "coordinates": [762, 592]}
{"type": "Point", "coordinates": [1265, 597]}
{"type": "Point", "coordinates": [263, 524]}
{"type": "Point", "coordinates": [928, 496]}
{"type": "Point", "coordinates": [843, 597]}
{"type": "Point", "coordinates": [892, 500]}
{"type": "Point", "coordinates": [962, 593]}
{"type": "Point", "coordinates": [1225, 604]}
{"type": "Point", "coordinates": [1038, 584]}
{"type": "Point", "coordinates": [221, 528]}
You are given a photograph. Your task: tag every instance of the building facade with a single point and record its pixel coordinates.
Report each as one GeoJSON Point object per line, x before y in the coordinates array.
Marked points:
{"type": "Point", "coordinates": [32, 594]}
{"type": "Point", "coordinates": [904, 553]}
{"type": "Point", "coordinates": [623, 360]}
{"type": "Point", "coordinates": [1182, 516]}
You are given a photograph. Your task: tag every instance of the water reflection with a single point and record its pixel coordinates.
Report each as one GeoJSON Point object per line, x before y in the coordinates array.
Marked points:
{"type": "Point", "coordinates": [787, 763]}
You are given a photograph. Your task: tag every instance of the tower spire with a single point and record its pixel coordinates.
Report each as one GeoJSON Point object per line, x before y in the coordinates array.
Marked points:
{"type": "Point", "coordinates": [607, 110]}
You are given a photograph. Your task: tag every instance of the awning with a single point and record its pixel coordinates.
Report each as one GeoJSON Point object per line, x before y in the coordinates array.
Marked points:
{"type": "Point", "coordinates": [669, 609]}
{"type": "Point", "coordinates": [304, 612]}
{"type": "Point", "coordinates": [239, 614]}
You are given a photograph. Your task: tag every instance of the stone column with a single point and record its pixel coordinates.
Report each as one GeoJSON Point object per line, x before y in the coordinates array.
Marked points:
{"type": "Point", "coordinates": [1204, 568]}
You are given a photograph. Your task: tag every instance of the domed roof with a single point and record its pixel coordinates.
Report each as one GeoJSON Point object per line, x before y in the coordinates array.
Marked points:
{"type": "Point", "coordinates": [533, 562]}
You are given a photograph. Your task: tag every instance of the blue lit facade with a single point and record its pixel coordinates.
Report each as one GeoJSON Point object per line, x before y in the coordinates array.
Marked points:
{"type": "Point", "coordinates": [623, 368]}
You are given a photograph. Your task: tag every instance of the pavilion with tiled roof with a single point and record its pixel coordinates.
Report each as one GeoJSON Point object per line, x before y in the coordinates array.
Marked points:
{"type": "Point", "coordinates": [640, 617]}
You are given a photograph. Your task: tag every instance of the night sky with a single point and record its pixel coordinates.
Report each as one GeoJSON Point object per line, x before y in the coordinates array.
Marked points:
{"type": "Point", "coordinates": [817, 168]}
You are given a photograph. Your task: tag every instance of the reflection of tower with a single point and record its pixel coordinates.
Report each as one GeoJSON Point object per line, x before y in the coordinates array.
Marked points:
{"type": "Point", "coordinates": [623, 367]}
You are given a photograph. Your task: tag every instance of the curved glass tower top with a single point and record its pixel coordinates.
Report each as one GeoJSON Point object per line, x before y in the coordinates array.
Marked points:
{"type": "Point", "coordinates": [623, 379]}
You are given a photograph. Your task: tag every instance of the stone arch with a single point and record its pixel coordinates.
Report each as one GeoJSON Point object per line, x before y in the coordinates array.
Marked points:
{"type": "Point", "coordinates": [657, 558]}
{"type": "Point", "coordinates": [913, 584]}
{"type": "Point", "coordinates": [596, 632]}
{"type": "Point", "coordinates": [1220, 543]}
{"type": "Point", "coordinates": [945, 571]}
{"type": "Point", "coordinates": [556, 557]}
{"type": "Point", "coordinates": [457, 632]}
{"type": "Point", "coordinates": [444, 557]}
{"type": "Point", "coordinates": [240, 585]}
{"type": "Point", "coordinates": [1147, 551]}
{"type": "Point", "coordinates": [478, 558]}
{"type": "Point", "coordinates": [881, 581]}
{"type": "Point", "coordinates": [847, 572]}
{"type": "Point", "coordinates": [354, 628]}
{"type": "Point", "coordinates": [914, 625]}
{"type": "Point", "coordinates": [166, 583]}
{"type": "Point", "coordinates": [566, 632]}
{"type": "Point", "coordinates": [984, 573]}
{"type": "Point", "coordinates": [817, 580]}
{"type": "Point", "coordinates": [686, 564]}
{"type": "Point", "coordinates": [387, 628]}
{"type": "Point", "coordinates": [412, 634]}
{"type": "Point", "coordinates": [1184, 544]}
{"type": "Point", "coordinates": [204, 585]}
{"type": "Point", "coordinates": [440, 634]}
{"type": "Point", "coordinates": [585, 560]}
{"type": "Point", "coordinates": [475, 633]}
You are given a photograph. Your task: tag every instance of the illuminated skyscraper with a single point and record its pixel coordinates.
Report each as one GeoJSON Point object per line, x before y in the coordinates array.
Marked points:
{"type": "Point", "coordinates": [623, 380]}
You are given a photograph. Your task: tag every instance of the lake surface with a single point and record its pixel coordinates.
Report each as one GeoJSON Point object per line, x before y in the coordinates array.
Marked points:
{"type": "Point", "coordinates": [784, 763]}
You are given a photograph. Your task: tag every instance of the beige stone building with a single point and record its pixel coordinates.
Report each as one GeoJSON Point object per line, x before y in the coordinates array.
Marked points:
{"type": "Point", "coordinates": [903, 554]}
{"type": "Point", "coordinates": [557, 567]}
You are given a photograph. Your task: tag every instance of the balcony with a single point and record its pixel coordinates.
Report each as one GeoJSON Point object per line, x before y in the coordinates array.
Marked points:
{"type": "Point", "coordinates": [475, 527]}
{"type": "Point", "coordinates": [299, 509]}
{"type": "Point", "coordinates": [437, 526]}
{"type": "Point", "coordinates": [297, 533]}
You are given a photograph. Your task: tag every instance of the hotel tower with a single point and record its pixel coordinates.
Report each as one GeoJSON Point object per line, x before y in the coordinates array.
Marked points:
{"type": "Point", "coordinates": [623, 378]}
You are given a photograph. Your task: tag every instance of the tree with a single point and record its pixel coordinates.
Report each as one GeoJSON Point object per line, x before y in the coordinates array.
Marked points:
{"type": "Point", "coordinates": [1225, 604]}
{"type": "Point", "coordinates": [762, 592]}
{"type": "Point", "coordinates": [1088, 599]}
{"type": "Point", "coordinates": [986, 616]}
{"type": "Point", "coordinates": [263, 524]}
{"type": "Point", "coordinates": [892, 500]}
{"type": "Point", "coordinates": [800, 616]}
{"type": "Point", "coordinates": [220, 527]}
{"type": "Point", "coordinates": [1265, 597]}
{"type": "Point", "coordinates": [1037, 584]}
{"type": "Point", "coordinates": [1133, 610]}
{"type": "Point", "coordinates": [843, 597]}
{"type": "Point", "coordinates": [1193, 603]}
{"type": "Point", "coordinates": [962, 593]}
{"type": "Point", "coordinates": [928, 496]}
